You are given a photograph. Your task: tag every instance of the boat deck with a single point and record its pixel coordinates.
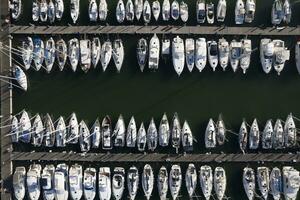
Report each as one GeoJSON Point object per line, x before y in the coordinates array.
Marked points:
{"type": "Point", "coordinates": [131, 29]}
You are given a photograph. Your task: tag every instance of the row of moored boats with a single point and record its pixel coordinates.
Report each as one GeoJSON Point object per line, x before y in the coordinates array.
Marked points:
{"type": "Point", "coordinates": [45, 132]}
{"type": "Point", "coordinates": [62, 182]}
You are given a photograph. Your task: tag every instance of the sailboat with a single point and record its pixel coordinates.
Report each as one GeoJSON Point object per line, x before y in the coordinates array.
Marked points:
{"type": "Point", "coordinates": [47, 182]}
{"type": "Point", "coordinates": [220, 131]}
{"type": "Point", "coordinates": [210, 13]}
{"type": "Point", "coordinates": [120, 11]}
{"type": "Point", "coordinates": [33, 181]}
{"type": "Point", "coordinates": [74, 53]}
{"type": "Point", "coordinates": [96, 50]}
{"type": "Point", "coordinates": [27, 52]}
{"type": "Point", "coordinates": [132, 182]}
{"type": "Point", "coordinates": [147, 181]}
{"type": "Point", "coordinates": [266, 54]}
{"type": "Point", "coordinates": [164, 131]}
{"type": "Point", "coordinates": [49, 134]}
{"type": "Point", "coordinates": [287, 12]}
{"type": "Point", "coordinates": [25, 127]}
{"type": "Point", "coordinates": [175, 180]}
{"type": "Point", "coordinates": [178, 54]}
{"type": "Point", "coordinates": [142, 53]}
{"type": "Point", "coordinates": [85, 54]}
{"type": "Point", "coordinates": [250, 11]}
{"type": "Point", "coordinates": [221, 10]}
{"type": "Point", "coordinates": [210, 135]}
{"type": "Point", "coordinates": [184, 11]}
{"type": "Point", "coordinates": [206, 181]}
{"type": "Point", "coordinates": [138, 8]}
{"type": "Point", "coordinates": [89, 183]}
{"type": "Point", "coordinates": [131, 133]}
{"type": "Point", "coordinates": [118, 182]}
{"type": "Point", "coordinates": [118, 53]}
{"type": "Point", "coordinates": [19, 183]}
{"type": "Point", "coordinates": [75, 10]}
{"type": "Point", "coordinates": [38, 53]}
{"type": "Point", "coordinates": [75, 181]}
{"type": "Point", "coordinates": [120, 132]}
{"type": "Point", "coordinates": [129, 10]}
{"type": "Point", "coordinates": [59, 9]}
{"type": "Point", "coordinates": [106, 133]}
{"type": "Point", "coordinates": [73, 130]}
{"type": "Point", "coordinates": [213, 57]}
{"type": "Point", "coordinates": [220, 182]}
{"type": "Point", "coordinates": [249, 182]}
{"type": "Point", "coordinates": [246, 51]}
{"type": "Point", "coordinates": [61, 133]}
{"type": "Point", "coordinates": [254, 135]}
{"type": "Point", "coordinates": [15, 7]}
{"type": "Point", "coordinates": [14, 130]}
{"type": "Point", "coordinates": [152, 136]}
{"type": "Point", "coordinates": [239, 12]}
{"type": "Point", "coordinates": [141, 138]}
{"type": "Point", "coordinates": [235, 54]}
{"type": "Point", "coordinates": [20, 77]}
{"type": "Point", "coordinates": [154, 51]}
{"type": "Point", "coordinates": [61, 53]}
{"type": "Point", "coordinates": [267, 134]}
{"type": "Point", "coordinates": [37, 132]}
{"type": "Point", "coordinates": [104, 181]}
{"type": "Point", "coordinates": [156, 9]}
{"type": "Point", "coordinates": [106, 53]}
{"type": "Point", "coordinates": [176, 132]}
{"type": "Point", "coordinates": [162, 183]}
{"type": "Point", "coordinates": [276, 183]}
{"type": "Point", "coordinates": [191, 180]}
{"type": "Point", "coordinates": [147, 12]}
{"type": "Point", "coordinates": [175, 10]}
{"type": "Point", "coordinates": [43, 6]}
{"type": "Point", "coordinates": [243, 136]}
{"type": "Point", "coordinates": [51, 12]}
{"type": "Point", "coordinates": [187, 137]}
{"type": "Point", "coordinates": [190, 53]}
{"type": "Point", "coordinates": [263, 179]}
{"type": "Point", "coordinates": [290, 132]}
{"type": "Point", "coordinates": [96, 134]}
{"type": "Point", "coordinates": [50, 53]}
{"type": "Point", "coordinates": [277, 13]}
{"type": "Point", "coordinates": [166, 10]}
{"type": "Point", "coordinates": [200, 9]}
{"type": "Point", "coordinates": [278, 135]}
{"type": "Point", "coordinates": [201, 54]}
{"type": "Point", "coordinates": [93, 11]}
{"type": "Point", "coordinates": [103, 10]}
{"type": "Point", "coordinates": [84, 137]}
{"type": "Point", "coordinates": [35, 11]}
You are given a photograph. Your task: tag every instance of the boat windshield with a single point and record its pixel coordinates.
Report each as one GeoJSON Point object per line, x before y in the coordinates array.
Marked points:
{"type": "Point", "coordinates": [214, 50]}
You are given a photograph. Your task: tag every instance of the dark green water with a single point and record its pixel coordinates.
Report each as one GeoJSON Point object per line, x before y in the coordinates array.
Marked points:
{"type": "Point", "coordinates": [195, 96]}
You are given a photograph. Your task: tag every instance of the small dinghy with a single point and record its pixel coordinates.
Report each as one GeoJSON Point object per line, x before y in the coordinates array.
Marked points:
{"type": "Point", "coordinates": [138, 8]}
{"type": "Point", "coordinates": [73, 130]}
{"type": "Point", "coordinates": [51, 12]}
{"type": "Point", "coordinates": [246, 51]}
{"type": "Point", "coordinates": [210, 135]}
{"type": "Point", "coordinates": [106, 131]}
{"type": "Point", "coordinates": [287, 12]}
{"type": "Point", "coordinates": [254, 135]}
{"type": "Point", "coordinates": [220, 182]}
{"type": "Point", "coordinates": [190, 53]}
{"type": "Point", "coordinates": [61, 133]}
{"type": "Point", "coordinates": [191, 180]}
{"type": "Point", "coordinates": [175, 181]}
{"type": "Point", "coordinates": [178, 54]}
{"type": "Point", "coordinates": [89, 183]}
{"type": "Point", "coordinates": [103, 10]}
{"type": "Point", "coordinates": [35, 11]}
{"type": "Point", "coordinates": [50, 53]}
{"type": "Point", "coordinates": [156, 9]}
{"type": "Point", "coordinates": [201, 54]}
{"type": "Point", "coordinates": [187, 137]}
{"type": "Point", "coordinates": [131, 133]}
{"type": "Point", "coordinates": [278, 137]}
{"type": "Point", "coordinates": [132, 182]}
{"type": "Point", "coordinates": [106, 53]}
{"type": "Point", "coordinates": [282, 54]}
{"type": "Point", "coordinates": [61, 53]}
{"type": "Point", "coordinates": [75, 10]}
{"type": "Point", "coordinates": [250, 11]}
{"type": "Point", "coordinates": [141, 138]}
{"type": "Point", "coordinates": [184, 11]}
{"type": "Point", "coordinates": [235, 54]}
{"type": "Point", "coordinates": [223, 47]}
{"type": "Point", "coordinates": [118, 54]}
{"type": "Point", "coordinates": [25, 128]}
{"type": "Point", "coordinates": [74, 53]}
{"type": "Point", "coordinates": [263, 181]}
{"type": "Point", "coordinates": [49, 134]}
{"type": "Point", "coordinates": [75, 181]}
{"type": "Point", "coordinates": [93, 11]}
{"type": "Point", "coordinates": [15, 7]}
{"type": "Point", "coordinates": [166, 10]}
{"type": "Point", "coordinates": [290, 132]}
{"type": "Point", "coordinates": [120, 132]}
{"type": "Point", "coordinates": [297, 56]}
{"type": "Point", "coordinates": [147, 181]}
{"type": "Point", "coordinates": [276, 183]}
{"type": "Point", "coordinates": [129, 10]}
{"type": "Point", "coordinates": [291, 180]}
{"type": "Point", "coordinates": [142, 53]}
{"type": "Point", "coordinates": [277, 13]}
{"type": "Point", "coordinates": [220, 131]}
{"type": "Point", "coordinates": [38, 53]}
{"type": "Point", "coordinates": [33, 181]}
{"type": "Point", "coordinates": [84, 137]}
{"type": "Point", "coordinates": [19, 183]}
{"type": "Point", "coordinates": [164, 131]}
{"type": "Point", "coordinates": [20, 77]}
{"type": "Point", "coordinates": [43, 10]}
{"type": "Point", "coordinates": [120, 11]}
{"type": "Point", "coordinates": [96, 134]}
{"type": "Point", "coordinates": [166, 46]}
{"type": "Point", "coordinates": [85, 55]}
{"type": "Point", "coordinates": [104, 183]}
{"type": "Point", "coordinates": [243, 136]}
{"type": "Point", "coordinates": [147, 12]}
{"type": "Point", "coordinates": [162, 183]}
{"type": "Point", "coordinates": [200, 8]}
{"type": "Point", "coordinates": [14, 130]}
{"type": "Point", "coordinates": [37, 131]}
{"type": "Point", "coordinates": [210, 13]}
{"type": "Point", "coordinates": [47, 182]}
{"type": "Point", "coordinates": [27, 52]}
{"type": "Point", "coordinates": [206, 181]}
{"type": "Point", "coordinates": [249, 182]}
{"type": "Point", "coordinates": [154, 52]}
{"type": "Point", "coordinates": [213, 57]}
{"type": "Point", "coordinates": [239, 12]}
{"type": "Point", "coordinates": [267, 134]}
{"type": "Point", "coordinates": [176, 132]}
{"type": "Point", "coordinates": [61, 185]}
{"type": "Point", "coordinates": [152, 136]}
{"type": "Point", "coordinates": [96, 50]}
{"type": "Point", "coordinates": [118, 183]}
{"type": "Point", "coordinates": [266, 54]}
{"type": "Point", "coordinates": [59, 9]}
{"type": "Point", "coordinates": [221, 10]}
{"type": "Point", "coordinates": [175, 10]}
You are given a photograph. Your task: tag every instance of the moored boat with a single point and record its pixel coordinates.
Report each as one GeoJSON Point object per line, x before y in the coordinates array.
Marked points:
{"type": "Point", "coordinates": [166, 10]}
{"type": "Point", "coordinates": [25, 127]}
{"type": "Point", "coordinates": [120, 132]}
{"type": "Point", "coordinates": [73, 130]}
{"type": "Point", "coordinates": [141, 138]}
{"type": "Point", "coordinates": [249, 182]}
{"type": "Point", "coordinates": [220, 182]}
{"type": "Point", "coordinates": [175, 10]}
{"type": "Point", "coordinates": [47, 182]}
{"type": "Point", "coordinates": [20, 77]}
{"type": "Point", "coordinates": [74, 53]}
{"type": "Point", "coordinates": [27, 52]}
{"type": "Point", "coordinates": [184, 11]}
{"type": "Point", "coordinates": [250, 11]}
{"type": "Point", "coordinates": [267, 134]}
{"type": "Point", "coordinates": [129, 11]}
{"type": "Point", "coordinates": [164, 131]}
{"type": "Point", "coordinates": [106, 54]}
{"type": "Point", "coordinates": [210, 13]}
{"type": "Point", "coordinates": [38, 53]}
{"type": "Point", "coordinates": [142, 53]}
{"type": "Point", "coordinates": [246, 51]}
{"type": "Point", "coordinates": [96, 134]}
{"type": "Point", "coordinates": [93, 11]}
{"type": "Point", "coordinates": [35, 11]}
{"type": "Point", "coordinates": [287, 12]}
{"type": "Point", "coordinates": [263, 179]}
{"type": "Point", "coordinates": [156, 9]}
{"type": "Point", "coordinates": [162, 183]}
{"type": "Point", "coordinates": [282, 54]}
{"type": "Point", "coordinates": [61, 53]}
{"type": "Point", "coordinates": [178, 54]}
{"type": "Point", "coordinates": [277, 13]}
{"type": "Point", "coordinates": [75, 10]}
{"type": "Point", "coordinates": [254, 135]}
{"type": "Point", "coordinates": [18, 183]}
{"type": "Point", "coordinates": [132, 182]}
{"type": "Point", "coordinates": [223, 47]}
{"type": "Point", "coordinates": [291, 182]}
{"type": "Point", "coordinates": [14, 129]}
{"type": "Point", "coordinates": [201, 11]}
{"type": "Point", "coordinates": [50, 53]}
{"type": "Point", "coordinates": [220, 131]}
{"type": "Point", "coordinates": [89, 183]}
{"type": "Point", "coordinates": [59, 9]}
{"type": "Point", "coordinates": [187, 137]}
{"type": "Point", "coordinates": [49, 134]}
{"type": "Point", "coordinates": [190, 53]}
{"type": "Point", "coordinates": [84, 137]}
{"type": "Point", "coordinates": [243, 136]}
{"type": "Point", "coordinates": [297, 56]}
{"type": "Point", "coordinates": [104, 183]}
{"type": "Point", "coordinates": [51, 11]}
{"type": "Point", "coordinates": [278, 135]}
{"type": "Point", "coordinates": [138, 8]}
{"type": "Point", "coordinates": [103, 10]}
{"type": "Point", "coordinates": [239, 12]}
{"type": "Point", "coordinates": [33, 181]}
{"type": "Point", "coordinates": [176, 132]}
{"type": "Point", "coordinates": [106, 133]}
{"type": "Point", "coordinates": [75, 181]}
{"type": "Point", "coordinates": [85, 54]}
{"type": "Point", "coordinates": [152, 136]}
{"type": "Point", "coordinates": [118, 183]}
{"type": "Point", "coordinates": [276, 183]}
{"type": "Point", "coordinates": [118, 53]}
{"type": "Point", "coordinates": [96, 50]}
{"type": "Point", "coordinates": [235, 54]}
{"type": "Point", "coordinates": [131, 135]}
{"type": "Point", "coordinates": [290, 132]}
{"type": "Point", "coordinates": [266, 54]}
{"type": "Point", "coordinates": [206, 181]}
{"type": "Point", "coordinates": [213, 57]}
{"type": "Point", "coordinates": [175, 180]}
{"type": "Point", "coordinates": [120, 11]}
{"type": "Point", "coordinates": [210, 135]}
{"type": "Point", "coordinates": [147, 181]}
{"type": "Point", "coordinates": [147, 12]}
{"type": "Point", "coordinates": [61, 133]}
{"type": "Point", "coordinates": [37, 132]}
{"type": "Point", "coordinates": [191, 180]}
{"type": "Point", "coordinates": [201, 54]}
{"type": "Point", "coordinates": [61, 185]}
{"type": "Point", "coordinates": [154, 51]}
{"type": "Point", "coordinates": [15, 7]}
{"type": "Point", "coordinates": [221, 10]}
{"type": "Point", "coordinates": [43, 7]}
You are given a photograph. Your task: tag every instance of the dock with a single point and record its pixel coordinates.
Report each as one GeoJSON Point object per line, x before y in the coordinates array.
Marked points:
{"type": "Point", "coordinates": [176, 30]}
{"type": "Point", "coordinates": [155, 157]}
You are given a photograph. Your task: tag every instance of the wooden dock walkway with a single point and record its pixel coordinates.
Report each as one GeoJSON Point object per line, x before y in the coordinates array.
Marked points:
{"type": "Point", "coordinates": [155, 157]}
{"type": "Point", "coordinates": [177, 30]}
